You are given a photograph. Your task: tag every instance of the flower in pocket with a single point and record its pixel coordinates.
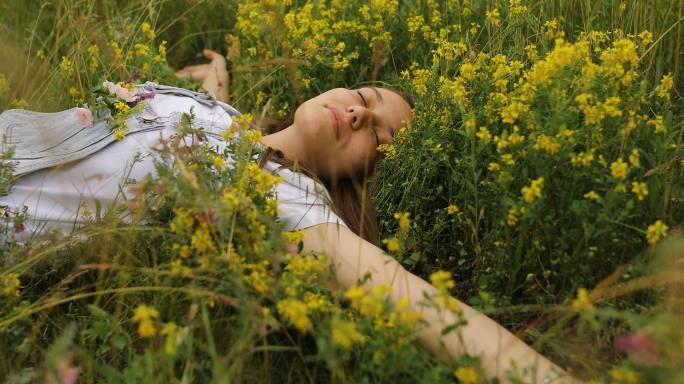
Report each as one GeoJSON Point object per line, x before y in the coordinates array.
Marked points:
{"type": "Point", "coordinates": [85, 117]}
{"type": "Point", "coordinates": [121, 92]}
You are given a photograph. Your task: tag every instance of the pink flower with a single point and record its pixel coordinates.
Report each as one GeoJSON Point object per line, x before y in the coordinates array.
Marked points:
{"type": "Point", "coordinates": [123, 93]}
{"type": "Point", "coordinates": [20, 228]}
{"type": "Point", "coordinates": [85, 117]}
{"type": "Point", "coordinates": [640, 345]}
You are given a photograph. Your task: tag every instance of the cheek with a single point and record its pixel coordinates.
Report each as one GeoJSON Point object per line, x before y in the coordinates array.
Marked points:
{"type": "Point", "coordinates": [360, 153]}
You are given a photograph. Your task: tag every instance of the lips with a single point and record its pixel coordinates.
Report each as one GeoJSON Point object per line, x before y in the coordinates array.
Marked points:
{"type": "Point", "coordinates": [336, 120]}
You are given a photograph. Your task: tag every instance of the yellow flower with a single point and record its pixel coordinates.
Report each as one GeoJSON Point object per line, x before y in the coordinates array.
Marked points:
{"type": "Point", "coordinates": [623, 376]}
{"type": "Point", "coordinates": [452, 209]}
{"type": "Point", "coordinates": [355, 293]}
{"type": "Point", "coordinates": [466, 375]}
{"type": "Point", "coordinates": [646, 37]}
{"type": "Point", "coordinates": [392, 243]}
{"type": "Point", "coordinates": [345, 334]}
{"type": "Point", "coordinates": [512, 111]}
{"type": "Point", "coordinates": [119, 134]}
{"type": "Point", "coordinates": [201, 240]}
{"type": "Point", "coordinates": [640, 189]}
{"type": "Point", "coordinates": [295, 312]}
{"type": "Point", "coordinates": [252, 136]}
{"type": "Point", "coordinates": [516, 7]}
{"type": "Point", "coordinates": [141, 49]}
{"type": "Point", "coordinates": [484, 135]}
{"type": "Point", "coordinates": [508, 159]}
{"type": "Point", "coordinates": [171, 331]}
{"type": "Point", "coordinates": [387, 150]}
{"type": "Point", "coordinates": [66, 66]}
{"type": "Point", "coordinates": [116, 48]}
{"type": "Point", "coordinates": [591, 195]}
{"type": "Point", "coordinates": [656, 231]}
{"type": "Point", "coordinates": [10, 284]}
{"type": "Point", "coordinates": [547, 144]}
{"type": "Point", "coordinates": [403, 218]}
{"type": "Point", "coordinates": [144, 312]}
{"type": "Point", "coordinates": [146, 328]}
{"type": "Point", "coordinates": [493, 18]}
{"type": "Point", "coordinates": [657, 123]}
{"type": "Point", "coordinates": [162, 49]}
{"type": "Point", "coordinates": [665, 86]}
{"type": "Point", "coordinates": [121, 106]}
{"type": "Point", "coordinates": [219, 163]}
{"type": "Point", "coordinates": [177, 267]}
{"type": "Point", "coordinates": [512, 217]}
{"type": "Point", "coordinates": [144, 316]}
{"type": "Point", "coordinates": [582, 301]}
{"type": "Point", "coordinates": [533, 192]}
{"type": "Point", "coordinates": [619, 169]}
{"type": "Point", "coordinates": [147, 30]}
{"type": "Point", "coordinates": [442, 280]}
{"type": "Point", "coordinates": [634, 158]}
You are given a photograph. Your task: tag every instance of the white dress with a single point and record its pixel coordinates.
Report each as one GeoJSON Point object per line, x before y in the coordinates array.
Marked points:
{"type": "Point", "coordinates": [56, 196]}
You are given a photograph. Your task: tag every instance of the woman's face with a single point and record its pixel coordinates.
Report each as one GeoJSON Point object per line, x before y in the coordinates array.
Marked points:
{"type": "Point", "coordinates": [342, 128]}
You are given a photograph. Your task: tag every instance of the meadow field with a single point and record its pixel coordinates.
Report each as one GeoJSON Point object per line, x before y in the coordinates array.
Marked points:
{"type": "Point", "coordinates": [542, 182]}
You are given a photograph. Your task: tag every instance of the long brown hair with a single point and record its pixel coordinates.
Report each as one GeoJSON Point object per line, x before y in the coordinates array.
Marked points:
{"type": "Point", "coordinates": [350, 196]}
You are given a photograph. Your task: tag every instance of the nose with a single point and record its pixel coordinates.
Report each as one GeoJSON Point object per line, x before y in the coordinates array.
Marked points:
{"type": "Point", "coordinates": [358, 116]}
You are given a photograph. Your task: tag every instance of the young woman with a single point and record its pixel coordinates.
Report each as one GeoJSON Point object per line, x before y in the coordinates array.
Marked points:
{"type": "Point", "coordinates": [334, 136]}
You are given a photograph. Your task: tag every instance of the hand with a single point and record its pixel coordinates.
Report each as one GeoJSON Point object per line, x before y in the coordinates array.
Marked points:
{"type": "Point", "coordinates": [213, 77]}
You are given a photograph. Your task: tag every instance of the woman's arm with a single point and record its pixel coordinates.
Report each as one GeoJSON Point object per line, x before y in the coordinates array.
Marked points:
{"type": "Point", "coordinates": [353, 257]}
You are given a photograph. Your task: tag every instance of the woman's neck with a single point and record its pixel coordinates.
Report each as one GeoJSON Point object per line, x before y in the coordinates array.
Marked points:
{"type": "Point", "coordinates": [289, 142]}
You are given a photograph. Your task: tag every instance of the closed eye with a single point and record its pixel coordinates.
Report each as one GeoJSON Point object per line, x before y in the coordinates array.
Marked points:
{"type": "Point", "coordinates": [375, 131]}
{"type": "Point", "coordinates": [363, 99]}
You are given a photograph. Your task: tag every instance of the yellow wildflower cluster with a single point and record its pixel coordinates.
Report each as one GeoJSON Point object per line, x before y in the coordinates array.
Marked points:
{"type": "Point", "coordinates": [261, 181]}
{"type": "Point", "coordinates": [144, 315]}
{"type": "Point", "coordinates": [403, 220]}
{"type": "Point", "coordinates": [66, 66]}
{"type": "Point", "coordinates": [665, 86]}
{"type": "Point", "coordinates": [623, 375]}
{"type": "Point", "coordinates": [619, 169]}
{"type": "Point", "coordinates": [513, 215]}
{"type": "Point", "coordinates": [640, 189]}
{"type": "Point", "coordinates": [393, 244]}
{"type": "Point", "coordinates": [583, 159]}
{"type": "Point", "coordinates": [375, 305]}
{"type": "Point", "coordinates": [11, 284]}
{"type": "Point", "coordinates": [201, 240]}
{"type": "Point", "coordinates": [388, 151]}
{"type": "Point", "coordinates": [148, 31]}
{"type": "Point", "coordinates": [94, 52]}
{"type": "Point", "coordinates": [345, 334]}
{"type": "Point", "coordinates": [296, 313]}
{"type": "Point", "coordinates": [444, 283]}
{"type": "Point", "coordinates": [517, 8]}
{"type": "Point", "coordinates": [582, 302]}
{"type": "Point", "coordinates": [493, 18]}
{"type": "Point", "coordinates": [533, 192]}
{"type": "Point", "coordinates": [466, 375]}
{"type": "Point", "coordinates": [591, 195]}
{"type": "Point", "coordinates": [656, 231]}
{"type": "Point", "coordinates": [547, 144]}
{"type": "Point", "coordinates": [172, 334]}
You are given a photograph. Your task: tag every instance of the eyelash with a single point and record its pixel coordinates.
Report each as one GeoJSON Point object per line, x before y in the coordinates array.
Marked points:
{"type": "Point", "coordinates": [365, 103]}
